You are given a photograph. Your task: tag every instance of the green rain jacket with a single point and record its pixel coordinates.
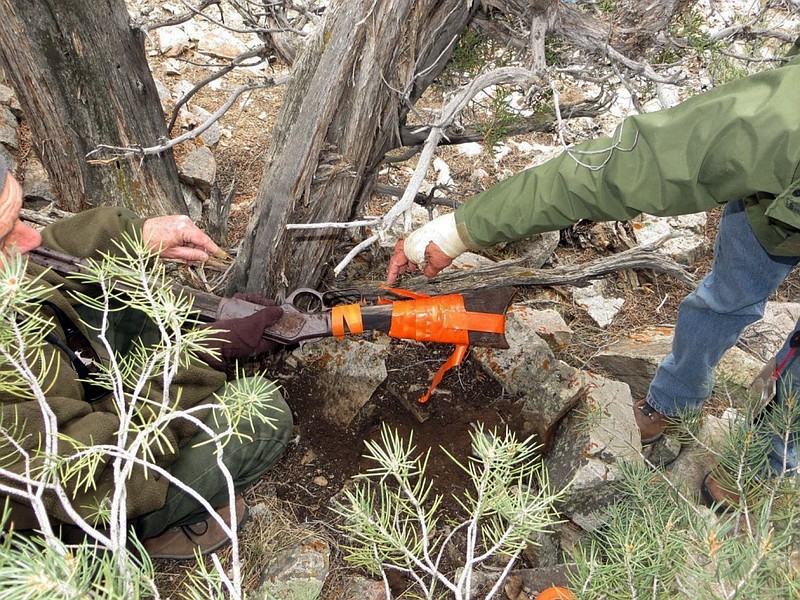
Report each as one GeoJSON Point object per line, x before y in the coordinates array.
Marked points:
{"type": "Point", "coordinates": [85, 235]}
{"type": "Point", "coordinates": [738, 141]}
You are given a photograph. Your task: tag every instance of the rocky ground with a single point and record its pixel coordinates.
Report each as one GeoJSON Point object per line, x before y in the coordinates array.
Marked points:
{"type": "Point", "coordinates": [573, 351]}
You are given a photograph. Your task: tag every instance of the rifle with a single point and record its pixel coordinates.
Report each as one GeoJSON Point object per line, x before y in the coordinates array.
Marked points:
{"type": "Point", "coordinates": [475, 317]}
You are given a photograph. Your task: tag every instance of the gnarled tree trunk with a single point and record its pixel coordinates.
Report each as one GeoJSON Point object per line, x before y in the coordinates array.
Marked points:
{"type": "Point", "coordinates": [82, 79]}
{"type": "Point", "coordinates": [352, 87]}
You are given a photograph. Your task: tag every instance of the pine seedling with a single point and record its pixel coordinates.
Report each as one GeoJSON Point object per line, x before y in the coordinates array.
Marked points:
{"type": "Point", "coordinates": [390, 514]}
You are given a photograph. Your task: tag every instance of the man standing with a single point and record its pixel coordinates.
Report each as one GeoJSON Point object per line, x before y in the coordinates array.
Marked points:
{"type": "Point", "coordinates": [738, 145]}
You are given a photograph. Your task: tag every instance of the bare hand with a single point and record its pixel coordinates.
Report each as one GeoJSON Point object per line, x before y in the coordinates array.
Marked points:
{"type": "Point", "coordinates": [435, 261]}
{"type": "Point", "coordinates": [177, 237]}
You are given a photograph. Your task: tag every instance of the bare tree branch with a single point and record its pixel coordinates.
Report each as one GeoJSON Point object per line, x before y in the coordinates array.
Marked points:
{"type": "Point", "coordinates": [236, 62]}
{"type": "Point", "coordinates": [182, 18]}
{"type": "Point", "coordinates": [122, 152]}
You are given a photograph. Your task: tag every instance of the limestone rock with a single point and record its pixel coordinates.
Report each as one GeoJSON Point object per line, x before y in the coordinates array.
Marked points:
{"type": "Point", "coordinates": [538, 579]}
{"type": "Point", "coordinates": [361, 588]}
{"type": "Point", "coordinates": [550, 388]}
{"type": "Point", "coordinates": [8, 158]}
{"type": "Point", "coordinates": [9, 98]}
{"type": "Point", "coordinates": [765, 337]}
{"type": "Point", "coordinates": [210, 136]}
{"type": "Point", "coordinates": [172, 41]}
{"type": "Point", "coordinates": [597, 304]}
{"type": "Point", "coordinates": [221, 44]}
{"type": "Point", "coordinates": [551, 327]}
{"type": "Point", "coordinates": [688, 471]}
{"type": "Point", "coordinates": [349, 372]}
{"type": "Point", "coordinates": [735, 374]}
{"type": "Point", "coordinates": [689, 243]}
{"type": "Point", "coordinates": [9, 128]}
{"type": "Point", "coordinates": [297, 573]}
{"type": "Point", "coordinates": [634, 360]}
{"type": "Point", "coordinates": [591, 442]}
{"type": "Point", "coordinates": [199, 169]}
{"type": "Point", "coordinates": [36, 186]}
{"type": "Point", "coordinates": [536, 250]}
{"type": "Point", "coordinates": [468, 260]}
{"type": "Point", "coordinates": [193, 203]}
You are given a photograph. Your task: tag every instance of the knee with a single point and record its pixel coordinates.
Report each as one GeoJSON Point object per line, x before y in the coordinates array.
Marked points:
{"type": "Point", "coordinates": [274, 419]}
{"type": "Point", "coordinates": [721, 298]}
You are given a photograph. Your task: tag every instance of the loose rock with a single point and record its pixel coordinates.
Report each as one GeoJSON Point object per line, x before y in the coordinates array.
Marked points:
{"type": "Point", "coordinates": [550, 388]}
{"type": "Point", "coordinates": [591, 443]}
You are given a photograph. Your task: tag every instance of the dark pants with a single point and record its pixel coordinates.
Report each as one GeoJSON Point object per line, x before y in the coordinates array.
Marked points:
{"type": "Point", "coordinates": [246, 459]}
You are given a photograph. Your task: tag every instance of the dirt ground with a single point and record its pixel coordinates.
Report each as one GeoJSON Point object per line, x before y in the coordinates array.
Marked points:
{"type": "Point", "coordinates": [466, 398]}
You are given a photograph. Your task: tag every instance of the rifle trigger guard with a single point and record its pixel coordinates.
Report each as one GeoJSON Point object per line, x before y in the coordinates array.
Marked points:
{"type": "Point", "coordinates": [307, 300]}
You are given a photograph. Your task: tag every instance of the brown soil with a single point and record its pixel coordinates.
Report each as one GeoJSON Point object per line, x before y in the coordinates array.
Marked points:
{"type": "Point", "coordinates": [467, 397]}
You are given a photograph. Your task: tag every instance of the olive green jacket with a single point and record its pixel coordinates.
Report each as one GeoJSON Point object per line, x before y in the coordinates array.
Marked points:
{"type": "Point", "coordinates": [85, 235]}
{"type": "Point", "coordinates": [740, 140]}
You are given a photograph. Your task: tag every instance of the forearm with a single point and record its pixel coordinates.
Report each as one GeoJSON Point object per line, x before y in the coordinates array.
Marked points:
{"type": "Point", "coordinates": [93, 231]}
{"type": "Point", "coordinates": [726, 144]}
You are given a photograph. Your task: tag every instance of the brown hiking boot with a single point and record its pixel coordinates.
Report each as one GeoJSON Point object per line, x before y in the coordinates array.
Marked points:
{"type": "Point", "coordinates": [180, 543]}
{"type": "Point", "coordinates": [716, 493]}
{"type": "Point", "coordinates": [651, 423]}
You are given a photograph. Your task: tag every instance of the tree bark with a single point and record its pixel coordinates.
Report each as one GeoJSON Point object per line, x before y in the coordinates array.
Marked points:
{"type": "Point", "coordinates": [352, 88]}
{"type": "Point", "coordinates": [82, 80]}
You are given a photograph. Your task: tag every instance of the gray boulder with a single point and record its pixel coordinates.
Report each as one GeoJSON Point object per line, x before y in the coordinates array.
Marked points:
{"type": "Point", "coordinates": [348, 372]}
{"type": "Point", "coordinates": [591, 442]}
{"type": "Point", "coordinates": [549, 387]}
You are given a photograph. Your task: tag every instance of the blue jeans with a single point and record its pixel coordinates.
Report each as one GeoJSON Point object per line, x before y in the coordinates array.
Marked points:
{"type": "Point", "coordinates": [711, 319]}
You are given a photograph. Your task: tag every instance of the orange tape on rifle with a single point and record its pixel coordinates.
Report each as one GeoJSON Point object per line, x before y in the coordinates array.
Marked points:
{"type": "Point", "coordinates": [442, 319]}
{"type": "Point", "coordinates": [348, 314]}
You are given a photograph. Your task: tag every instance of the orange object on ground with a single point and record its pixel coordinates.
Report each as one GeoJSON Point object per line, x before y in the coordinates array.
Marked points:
{"type": "Point", "coordinates": [556, 593]}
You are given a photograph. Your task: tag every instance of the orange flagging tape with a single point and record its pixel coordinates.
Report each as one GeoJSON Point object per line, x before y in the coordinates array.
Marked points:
{"type": "Point", "coordinates": [455, 359]}
{"type": "Point", "coordinates": [350, 315]}
{"type": "Point", "coordinates": [442, 319]}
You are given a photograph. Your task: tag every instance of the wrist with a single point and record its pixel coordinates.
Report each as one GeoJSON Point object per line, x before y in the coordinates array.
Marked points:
{"type": "Point", "coordinates": [442, 231]}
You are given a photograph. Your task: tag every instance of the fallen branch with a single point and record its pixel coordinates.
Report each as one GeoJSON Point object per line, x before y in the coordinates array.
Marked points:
{"type": "Point", "coordinates": [509, 273]}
